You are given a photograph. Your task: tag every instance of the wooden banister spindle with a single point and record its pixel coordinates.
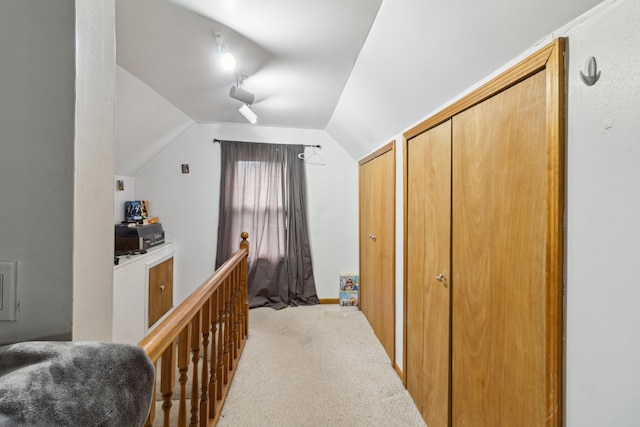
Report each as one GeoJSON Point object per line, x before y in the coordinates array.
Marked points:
{"type": "Point", "coordinates": [227, 332]}
{"type": "Point", "coordinates": [236, 312]}
{"type": "Point", "coordinates": [229, 286]}
{"type": "Point", "coordinates": [240, 319]}
{"type": "Point", "coordinates": [240, 307]}
{"type": "Point", "coordinates": [152, 410]}
{"type": "Point", "coordinates": [233, 284]}
{"type": "Point", "coordinates": [213, 377]}
{"type": "Point", "coordinates": [244, 244]}
{"type": "Point", "coordinates": [183, 367]}
{"type": "Point", "coordinates": [204, 397]}
{"type": "Point", "coordinates": [195, 359]}
{"type": "Point", "coordinates": [168, 381]}
{"type": "Point", "coordinates": [220, 340]}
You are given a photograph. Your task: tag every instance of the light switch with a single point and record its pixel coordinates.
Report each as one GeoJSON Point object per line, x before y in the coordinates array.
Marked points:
{"type": "Point", "coordinates": [8, 295]}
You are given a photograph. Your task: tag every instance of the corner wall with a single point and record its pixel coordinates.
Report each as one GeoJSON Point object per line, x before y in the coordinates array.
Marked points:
{"type": "Point", "coordinates": [94, 170]}
{"type": "Point", "coordinates": [37, 86]}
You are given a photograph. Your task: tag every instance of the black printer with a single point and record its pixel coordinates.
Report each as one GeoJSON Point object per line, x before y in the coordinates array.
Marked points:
{"type": "Point", "coordinates": [138, 237]}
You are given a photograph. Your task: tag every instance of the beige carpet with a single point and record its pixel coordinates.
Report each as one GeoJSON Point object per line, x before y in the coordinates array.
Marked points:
{"type": "Point", "coordinates": [315, 366]}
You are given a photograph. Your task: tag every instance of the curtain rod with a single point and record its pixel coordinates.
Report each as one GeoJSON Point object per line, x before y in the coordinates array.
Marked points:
{"type": "Point", "coordinates": [305, 145]}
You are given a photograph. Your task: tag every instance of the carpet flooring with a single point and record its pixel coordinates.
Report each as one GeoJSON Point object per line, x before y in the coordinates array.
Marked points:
{"type": "Point", "coordinates": [315, 366]}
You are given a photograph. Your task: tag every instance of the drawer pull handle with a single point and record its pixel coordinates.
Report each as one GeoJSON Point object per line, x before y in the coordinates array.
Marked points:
{"type": "Point", "coordinates": [162, 287]}
{"type": "Point", "coordinates": [440, 277]}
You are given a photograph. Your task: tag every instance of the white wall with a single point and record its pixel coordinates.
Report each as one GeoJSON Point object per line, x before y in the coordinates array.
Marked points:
{"type": "Point", "coordinates": [188, 204]}
{"type": "Point", "coordinates": [37, 41]}
{"type": "Point", "coordinates": [94, 170]}
{"type": "Point", "coordinates": [603, 222]}
{"type": "Point", "coordinates": [402, 74]}
{"type": "Point", "coordinates": [145, 123]}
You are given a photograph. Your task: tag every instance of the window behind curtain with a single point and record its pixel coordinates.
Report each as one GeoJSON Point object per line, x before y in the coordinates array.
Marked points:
{"type": "Point", "coordinates": [253, 198]}
{"type": "Point", "coordinates": [261, 185]}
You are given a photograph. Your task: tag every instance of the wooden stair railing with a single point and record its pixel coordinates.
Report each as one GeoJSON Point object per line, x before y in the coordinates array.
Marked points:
{"type": "Point", "coordinates": [211, 324]}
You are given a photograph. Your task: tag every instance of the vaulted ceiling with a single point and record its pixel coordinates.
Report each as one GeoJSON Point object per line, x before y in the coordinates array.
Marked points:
{"type": "Point", "coordinates": [363, 70]}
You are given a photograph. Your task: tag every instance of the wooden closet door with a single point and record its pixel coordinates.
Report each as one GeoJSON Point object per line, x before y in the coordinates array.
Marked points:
{"type": "Point", "coordinates": [499, 259]}
{"type": "Point", "coordinates": [366, 204]}
{"type": "Point", "coordinates": [384, 249]}
{"type": "Point", "coordinates": [428, 297]}
{"type": "Point", "coordinates": [377, 247]}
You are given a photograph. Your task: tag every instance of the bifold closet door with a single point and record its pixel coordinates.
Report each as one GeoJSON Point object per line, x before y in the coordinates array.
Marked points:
{"type": "Point", "coordinates": [428, 270]}
{"type": "Point", "coordinates": [377, 247]}
{"type": "Point", "coordinates": [500, 323]}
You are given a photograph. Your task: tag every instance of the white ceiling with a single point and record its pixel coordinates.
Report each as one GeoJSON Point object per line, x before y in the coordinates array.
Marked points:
{"type": "Point", "coordinates": [297, 54]}
{"type": "Point", "coordinates": [363, 70]}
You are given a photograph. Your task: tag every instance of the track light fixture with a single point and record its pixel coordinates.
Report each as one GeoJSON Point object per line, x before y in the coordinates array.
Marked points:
{"type": "Point", "coordinates": [242, 95]}
{"type": "Point", "coordinates": [237, 92]}
{"type": "Point", "coordinates": [248, 113]}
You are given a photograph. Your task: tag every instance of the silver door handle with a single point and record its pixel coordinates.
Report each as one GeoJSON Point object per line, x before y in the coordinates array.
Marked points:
{"type": "Point", "coordinates": [372, 237]}
{"type": "Point", "coordinates": [162, 287]}
{"type": "Point", "coordinates": [440, 277]}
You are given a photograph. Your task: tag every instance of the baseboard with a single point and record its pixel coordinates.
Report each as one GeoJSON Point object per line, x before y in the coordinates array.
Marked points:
{"type": "Point", "coordinates": [329, 300]}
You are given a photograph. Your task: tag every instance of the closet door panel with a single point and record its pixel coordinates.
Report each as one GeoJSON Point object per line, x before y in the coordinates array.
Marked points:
{"type": "Point", "coordinates": [499, 284]}
{"type": "Point", "coordinates": [416, 158]}
{"type": "Point", "coordinates": [384, 219]}
{"type": "Point", "coordinates": [519, 213]}
{"type": "Point", "coordinates": [428, 316]}
{"type": "Point", "coordinates": [437, 238]}
{"type": "Point", "coordinates": [377, 247]}
{"type": "Point", "coordinates": [366, 247]}
{"type": "Point", "coordinates": [471, 259]}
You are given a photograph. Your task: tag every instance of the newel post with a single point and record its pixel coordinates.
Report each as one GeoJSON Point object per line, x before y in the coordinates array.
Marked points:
{"type": "Point", "coordinates": [244, 314]}
{"type": "Point", "coordinates": [244, 244]}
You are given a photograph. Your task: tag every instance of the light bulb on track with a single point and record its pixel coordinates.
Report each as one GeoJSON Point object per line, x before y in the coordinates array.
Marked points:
{"type": "Point", "coordinates": [228, 61]}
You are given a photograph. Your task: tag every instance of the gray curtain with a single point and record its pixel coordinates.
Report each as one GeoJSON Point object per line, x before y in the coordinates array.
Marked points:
{"type": "Point", "coordinates": [262, 192]}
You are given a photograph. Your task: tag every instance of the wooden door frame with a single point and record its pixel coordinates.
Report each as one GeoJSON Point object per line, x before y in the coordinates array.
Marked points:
{"type": "Point", "coordinates": [551, 59]}
{"type": "Point", "coordinates": [390, 146]}
{"type": "Point", "coordinates": [379, 152]}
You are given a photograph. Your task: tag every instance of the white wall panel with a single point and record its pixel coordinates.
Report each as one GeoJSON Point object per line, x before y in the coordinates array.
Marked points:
{"type": "Point", "coordinates": [603, 222]}
{"type": "Point", "coordinates": [37, 41]}
{"type": "Point", "coordinates": [94, 171]}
